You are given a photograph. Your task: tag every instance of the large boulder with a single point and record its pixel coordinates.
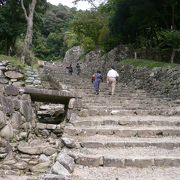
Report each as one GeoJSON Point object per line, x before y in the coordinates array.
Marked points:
{"type": "Point", "coordinates": [73, 55]}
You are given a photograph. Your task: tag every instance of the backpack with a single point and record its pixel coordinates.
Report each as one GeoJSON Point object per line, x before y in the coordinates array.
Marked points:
{"type": "Point", "coordinates": [93, 78]}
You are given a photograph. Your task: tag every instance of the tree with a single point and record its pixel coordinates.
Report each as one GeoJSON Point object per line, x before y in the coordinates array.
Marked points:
{"type": "Point", "coordinates": [170, 40]}
{"type": "Point", "coordinates": [135, 19]}
{"type": "Point", "coordinates": [29, 14]}
{"type": "Point", "coordinates": [11, 25]}
{"type": "Point", "coordinates": [53, 33]}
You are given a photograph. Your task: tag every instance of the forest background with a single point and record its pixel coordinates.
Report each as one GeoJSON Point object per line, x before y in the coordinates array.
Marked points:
{"type": "Point", "coordinates": [149, 26]}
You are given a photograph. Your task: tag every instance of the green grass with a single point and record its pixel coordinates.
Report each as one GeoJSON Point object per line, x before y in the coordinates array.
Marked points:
{"type": "Point", "coordinates": [13, 60]}
{"type": "Point", "coordinates": [148, 63]}
{"type": "Point", "coordinates": [16, 61]}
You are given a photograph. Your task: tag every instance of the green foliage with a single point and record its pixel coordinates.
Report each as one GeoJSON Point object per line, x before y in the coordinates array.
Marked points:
{"type": "Point", "coordinates": [133, 21]}
{"type": "Point", "coordinates": [169, 39]}
{"type": "Point", "coordinates": [58, 28]}
{"type": "Point", "coordinates": [51, 41]}
{"type": "Point", "coordinates": [90, 27]}
{"type": "Point", "coordinates": [11, 25]}
{"type": "Point", "coordinates": [147, 63]}
{"type": "Point", "coordinates": [70, 39]}
{"type": "Point", "coordinates": [88, 44]}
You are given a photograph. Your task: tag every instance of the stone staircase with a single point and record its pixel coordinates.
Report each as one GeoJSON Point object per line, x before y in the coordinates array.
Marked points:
{"type": "Point", "coordinates": [131, 135]}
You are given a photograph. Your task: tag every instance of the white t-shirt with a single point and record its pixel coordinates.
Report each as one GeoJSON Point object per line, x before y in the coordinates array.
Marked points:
{"type": "Point", "coordinates": [112, 73]}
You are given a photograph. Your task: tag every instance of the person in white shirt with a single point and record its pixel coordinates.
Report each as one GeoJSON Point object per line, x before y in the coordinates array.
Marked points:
{"type": "Point", "coordinates": [111, 80]}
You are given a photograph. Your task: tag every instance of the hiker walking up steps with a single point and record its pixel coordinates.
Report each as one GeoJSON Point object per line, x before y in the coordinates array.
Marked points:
{"type": "Point", "coordinates": [97, 80]}
{"type": "Point", "coordinates": [112, 75]}
{"type": "Point", "coordinates": [78, 68]}
{"type": "Point", "coordinates": [70, 69]}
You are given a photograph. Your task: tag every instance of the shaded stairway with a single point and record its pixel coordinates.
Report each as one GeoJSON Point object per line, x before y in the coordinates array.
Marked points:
{"type": "Point", "coordinates": [131, 135]}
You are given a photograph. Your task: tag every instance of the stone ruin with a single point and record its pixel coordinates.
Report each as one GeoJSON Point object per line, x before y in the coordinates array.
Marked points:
{"type": "Point", "coordinates": [31, 125]}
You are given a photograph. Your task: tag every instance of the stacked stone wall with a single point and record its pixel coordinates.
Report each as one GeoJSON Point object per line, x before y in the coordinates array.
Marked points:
{"type": "Point", "coordinates": [158, 81]}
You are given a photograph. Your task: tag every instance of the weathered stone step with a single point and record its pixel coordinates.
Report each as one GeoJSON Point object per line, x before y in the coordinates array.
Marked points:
{"type": "Point", "coordinates": [128, 121]}
{"type": "Point", "coordinates": [127, 157]}
{"type": "Point", "coordinates": [129, 173]}
{"type": "Point", "coordinates": [117, 98]}
{"type": "Point", "coordinates": [129, 106]}
{"type": "Point", "coordinates": [121, 112]}
{"type": "Point", "coordinates": [102, 141]}
{"type": "Point", "coordinates": [142, 131]}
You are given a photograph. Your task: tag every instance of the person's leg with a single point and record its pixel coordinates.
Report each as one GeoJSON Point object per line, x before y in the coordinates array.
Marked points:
{"type": "Point", "coordinates": [113, 86]}
{"type": "Point", "coordinates": [96, 86]}
{"type": "Point", "coordinates": [110, 86]}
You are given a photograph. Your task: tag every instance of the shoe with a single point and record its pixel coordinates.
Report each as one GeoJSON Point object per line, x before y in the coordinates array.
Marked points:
{"type": "Point", "coordinates": [97, 93]}
{"type": "Point", "coordinates": [110, 93]}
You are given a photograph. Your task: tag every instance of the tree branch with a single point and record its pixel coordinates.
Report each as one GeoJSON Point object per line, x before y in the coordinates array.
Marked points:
{"type": "Point", "coordinates": [24, 9]}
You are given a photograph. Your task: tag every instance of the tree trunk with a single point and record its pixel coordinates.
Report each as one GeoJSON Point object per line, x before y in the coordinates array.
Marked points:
{"type": "Point", "coordinates": [173, 55]}
{"type": "Point", "coordinates": [172, 16]}
{"type": "Point", "coordinates": [27, 48]}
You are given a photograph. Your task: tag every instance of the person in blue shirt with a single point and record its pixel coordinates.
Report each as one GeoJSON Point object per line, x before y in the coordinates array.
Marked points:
{"type": "Point", "coordinates": [97, 80]}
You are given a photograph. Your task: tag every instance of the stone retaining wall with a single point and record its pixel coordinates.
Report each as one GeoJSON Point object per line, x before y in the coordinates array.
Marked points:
{"type": "Point", "coordinates": [158, 81]}
{"type": "Point", "coordinates": [29, 147]}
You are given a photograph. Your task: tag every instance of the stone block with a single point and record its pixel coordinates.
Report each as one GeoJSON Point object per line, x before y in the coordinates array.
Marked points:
{"type": "Point", "coordinates": [16, 104]}
{"type": "Point", "coordinates": [71, 131]}
{"type": "Point", "coordinates": [88, 132]}
{"type": "Point", "coordinates": [51, 126]}
{"type": "Point", "coordinates": [83, 113]}
{"type": "Point", "coordinates": [49, 151]}
{"type": "Point", "coordinates": [3, 80]}
{"type": "Point", "coordinates": [53, 177]}
{"type": "Point", "coordinates": [14, 75]}
{"type": "Point", "coordinates": [73, 117]}
{"type": "Point", "coordinates": [20, 165]}
{"type": "Point", "coordinates": [41, 167]}
{"type": "Point", "coordinates": [7, 105]}
{"type": "Point", "coordinates": [92, 144]}
{"type": "Point", "coordinates": [16, 120]}
{"type": "Point", "coordinates": [68, 142]}
{"type": "Point", "coordinates": [72, 102]}
{"type": "Point", "coordinates": [140, 163]}
{"type": "Point", "coordinates": [59, 169]}
{"type": "Point", "coordinates": [125, 133]}
{"type": "Point", "coordinates": [113, 162]}
{"type": "Point", "coordinates": [93, 112]}
{"type": "Point", "coordinates": [2, 119]}
{"type": "Point", "coordinates": [66, 161]}
{"type": "Point", "coordinates": [105, 131]}
{"type": "Point", "coordinates": [93, 161]}
{"type": "Point", "coordinates": [26, 110]}
{"type": "Point", "coordinates": [7, 132]}
{"type": "Point", "coordinates": [167, 162]}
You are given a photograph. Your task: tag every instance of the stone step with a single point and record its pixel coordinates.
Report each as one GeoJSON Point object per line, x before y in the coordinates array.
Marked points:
{"type": "Point", "coordinates": [103, 141]}
{"type": "Point", "coordinates": [126, 97]}
{"type": "Point", "coordinates": [137, 131]}
{"type": "Point", "coordinates": [141, 157]}
{"type": "Point", "coordinates": [129, 173]}
{"type": "Point", "coordinates": [127, 106]}
{"type": "Point", "coordinates": [121, 111]}
{"type": "Point", "coordinates": [127, 121]}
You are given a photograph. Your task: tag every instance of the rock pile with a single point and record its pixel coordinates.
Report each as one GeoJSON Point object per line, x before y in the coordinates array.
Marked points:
{"type": "Point", "coordinates": [32, 77]}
